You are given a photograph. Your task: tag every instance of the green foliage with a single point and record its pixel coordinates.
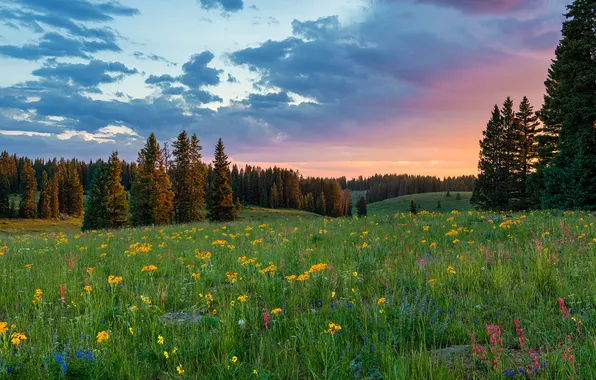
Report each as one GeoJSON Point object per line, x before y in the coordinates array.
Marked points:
{"type": "Point", "coordinates": [221, 206]}
{"type": "Point", "coordinates": [28, 206]}
{"type": "Point", "coordinates": [188, 178]}
{"type": "Point", "coordinates": [413, 207]}
{"type": "Point", "coordinates": [71, 190]}
{"type": "Point", "coordinates": [570, 104]}
{"type": "Point", "coordinates": [151, 194]}
{"type": "Point", "coordinates": [333, 199]}
{"type": "Point", "coordinates": [45, 197]}
{"type": "Point", "coordinates": [96, 208]}
{"type": "Point", "coordinates": [362, 209]}
{"type": "Point", "coordinates": [321, 206]}
{"type": "Point", "coordinates": [458, 197]}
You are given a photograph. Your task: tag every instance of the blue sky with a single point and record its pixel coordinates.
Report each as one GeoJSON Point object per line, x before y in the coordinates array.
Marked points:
{"type": "Point", "coordinates": [327, 87]}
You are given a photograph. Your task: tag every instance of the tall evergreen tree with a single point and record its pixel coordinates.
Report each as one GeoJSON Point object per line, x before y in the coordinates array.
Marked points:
{"type": "Point", "coordinates": [45, 197]}
{"type": "Point", "coordinates": [188, 178]}
{"type": "Point", "coordinates": [347, 203]}
{"type": "Point", "coordinates": [490, 190]}
{"type": "Point", "coordinates": [321, 205]}
{"type": "Point", "coordinates": [116, 202]}
{"type": "Point", "coordinates": [151, 194]}
{"type": "Point", "coordinates": [274, 197]}
{"type": "Point", "coordinates": [309, 203]}
{"type": "Point", "coordinates": [362, 210]}
{"type": "Point", "coordinates": [569, 176]}
{"type": "Point", "coordinates": [8, 175]}
{"type": "Point", "coordinates": [55, 196]}
{"type": "Point", "coordinates": [28, 206]}
{"type": "Point", "coordinates": [528, 122]}
{"type": "Point", "coordinates": [221, 205]}
{"type": "Point", "coordinates": [96, 208]}
{"type": "Point", "coordinates": [333, 198]}
{"type": "Point", "coordinates": [413, 207]}
{"type": "Point", "coordinates": [72, 190]}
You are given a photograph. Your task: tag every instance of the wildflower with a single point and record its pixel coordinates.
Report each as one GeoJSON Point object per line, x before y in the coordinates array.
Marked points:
{"type": "Point", "coordinates": [433, 244]}
{"type": "Point", "coordinates": [133, 308]}
{"type": "Point", "coordinates": [37, 298]}
{"type": "Point", "coordinates": [88, 288]}
{"type": "Point", "coordinates": [333, 328]}
{"type": "Point", "coordinates": [179, 369]}
{"type": "Point", "coordinates": [196, 275]}
{"type": "Point", "coordinates": [242, 298]}
{"type": "Point", "coordinates": [17, 337]}
{"type": "Point", "coordinates": [254, 371]}
{"type": "Point", "coordinates": [3, 327]}
{"type": "Point", "coordinates": [276, 311]}
{"type": "Point", "coordinates": [149, 268]}
{"type": "Point", "coordinates": [28, 266]}
{"type": "Point", "coordinates": [234, 359]}
{"type": "Point", "coordinates": [332, 294]}
{"type": "Point", "coordinates": [114, 279]}
{"type": "Point", "coordinates": [432, 281]}
{"type": "Point", "coordinates": [355, 274]}
{"type": "Point", "coordinates": [166, 355]}
{"type": "Point", "coordinates": [381, 301]}
{"type": "Point", "coordinates": [102, 336]}
{"type": "Point", "coordinates": [451, 270]}
{"type": "Point", "coordinates": [160, 339]}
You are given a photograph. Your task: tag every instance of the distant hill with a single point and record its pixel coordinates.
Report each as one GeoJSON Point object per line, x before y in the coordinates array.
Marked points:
{"type": "Point", "coordinates": [427, 201]}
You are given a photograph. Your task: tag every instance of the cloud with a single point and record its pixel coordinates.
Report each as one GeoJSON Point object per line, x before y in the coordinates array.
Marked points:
{"type": "Point", "coordinates": [153, 57]}
{"type": "Point", "coordinates": [197, 74]}
{"type": "Point", "coordinates": [164, 78]}
{"type": "Point", "coordinates": [92, 74]}
{"type": "Point", "coordinates": [232, 79]}
{"type": "Point", "coordinates": [56, 45]}
{"type": "Point", "coordinates": [226, 5]}
{"type": "Point", "coordinates": [80, 10]}
{"type": "Point", "coordinates": [484, 6]}
{"type": "Point", "coordinates": [268, 100]}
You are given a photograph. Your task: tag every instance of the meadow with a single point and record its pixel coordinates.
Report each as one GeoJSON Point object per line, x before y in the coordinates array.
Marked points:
{"type": "Point", "coordinates": [459, 294]}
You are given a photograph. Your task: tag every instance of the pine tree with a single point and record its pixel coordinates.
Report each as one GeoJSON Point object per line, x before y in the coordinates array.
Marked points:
{"type": "Point", "coordinates": [569, 176]}
{"type": "Point", "coordinates": [362, 210]}
{"type": "Point", "coordinates": [54, 196]}
{"type": "Point", "coordinates": [439, 204]}
{"type": "Point", "coordinates": [333, 198]}
{"type": "Point", "coordinates": [274, 196]}
{"type": "Point", "coordinates": [28, 206]}
{"type": "Point", "coordinates": [96, 208]}
{"type": "Point", "coordinates": [221, 206]}
{"type": "Point", "coordinates": [321, 206]}
{"type": "Point", "coordinates": [72, 190]}
{"type": "Point", "coordinates": [309, 202]}
{"type": "Point", "coordinates": [188, 178]}
{"type": "Point", "coordinates": [347, 203]}
{"type": "Point", "coordinates": [293, 191]}
{"type": "Point", "coordinates": [45, 197]}
{"type": "Point", "coordinates": [413, 208]}
{"type": "Point", "coordinates": [116, 202]}
{"type": "Point", "coordinates": [8, 174]}
{"type": "Point", "coordinates": [151, 194]}
{"type": "Point", "coordinates": [458, 197]}
{"type": "Point", "coordinates": [490, 189]}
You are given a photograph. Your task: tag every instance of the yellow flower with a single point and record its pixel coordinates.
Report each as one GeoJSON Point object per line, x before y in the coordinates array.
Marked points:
{"type": "Point", "coordinates": [425, 228]}
{"type": "Point", "coordinates": [17, 337]}
{"type": "Point", "coordinates": [450, 269]}
{"type": "Point", "coordinates": [133, 308]}
{"type": "Point", "coordinates": [114, 279]}
{"type": "Point", "coordinates": [28, 266]}
{"type": "Point", "coordinates": [432, 281]}
{"type": "Point", "coordinates": [102, 336]}
{"type": "Point", "coordinates": [433, 244]}
{"type": "Point", "coordinates": [160, 339]}
{"type": "Point", "coordinates": [196, 275]}
{"type": "Point", "coordinates": [165, 353]}
{"type": "Point", "coordinates": [276, 311]}
{"type": "Point", "coordinates": [333, 328]}
{"type": "Point", "coordinates": [381, 301]}
{"type": "Point", "coordinates": [88, 288]}
{"type": "Point", "coordinates": [254, 371]}
{"type": "Point", "coordinates": [242, 298]}
{"type": "Point", "coordinates": [179, 369]}
{"type": "Point", "coordinates": [175, 350]}
{"type": "Point", "coordinates": [149, 268]}
{"type": "Point", "coordinates": [332, 294]}
{"type": "Point", "coordinates": [3, 327]}
{"type": "Point", "coordinates": [355, 274]}
{"type": "Point", "coordinates": [234, 359]}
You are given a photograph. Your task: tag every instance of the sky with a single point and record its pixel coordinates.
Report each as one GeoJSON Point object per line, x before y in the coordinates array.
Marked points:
{"type": "Point", "coordinates": [330, 88]}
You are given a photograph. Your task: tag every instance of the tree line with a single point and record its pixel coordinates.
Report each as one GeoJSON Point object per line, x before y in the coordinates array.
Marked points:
{"type": "Point", "coordinates": [381, 187]}
{"type": "Point", "coordinates": [547, 159]}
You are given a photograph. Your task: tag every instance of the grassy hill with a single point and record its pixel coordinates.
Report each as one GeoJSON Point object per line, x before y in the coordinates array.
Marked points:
{"type": "Point", "coordinates": [427, 202]}
{"type": "Point", "coordinates": [248, 214]}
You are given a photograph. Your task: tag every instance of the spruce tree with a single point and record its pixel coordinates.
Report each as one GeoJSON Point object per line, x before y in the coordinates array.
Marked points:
{"type": "Point", "coordinates": [221, 206]}
{"type": "Point", "coordinates": [362, 210]}
{"type": "Point", "coordinates": [28, 206]}
{"type": "Point", "coordinates": [321, 206]}
{"type": "Point", "coordinates": [96, 208]}
{"type": "Point", "coordinates": [569, 176]}
{"type": "Point", "coordinates": [188, 178]}
{"type": "Point", "coordinates": [55, 196]}
{"type": "Point", "coordinates": [309, 202]}
{"type": "Point", "coordinates": [333, 197]}
{"type": "Point", "coordinates": [72, 190]}
{"type": "Point", "coordinates": [347, 203]}
{"type": "Point", "coordinates": [490, 189]}
{"type": "Point", "coordinates": [293, 191]}
{"type": "Point", "coordinates": [8, 174]}
{"type": "Point", "coordinates": [45, 197]}
{"type": "Point", "coordinates": [151, 194]}
{"type": "Point", "coordinates": [413, 207]}
{"type": "Point", "coordinates": [116, 202]}
{"type": "Point", "coordinates": [274, 197]}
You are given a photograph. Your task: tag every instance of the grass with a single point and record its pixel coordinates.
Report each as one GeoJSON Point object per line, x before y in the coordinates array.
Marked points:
{"type": "Point", "coordinates": [263, 299]}
{"type": "Point", "coordinates": [428, 201]}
